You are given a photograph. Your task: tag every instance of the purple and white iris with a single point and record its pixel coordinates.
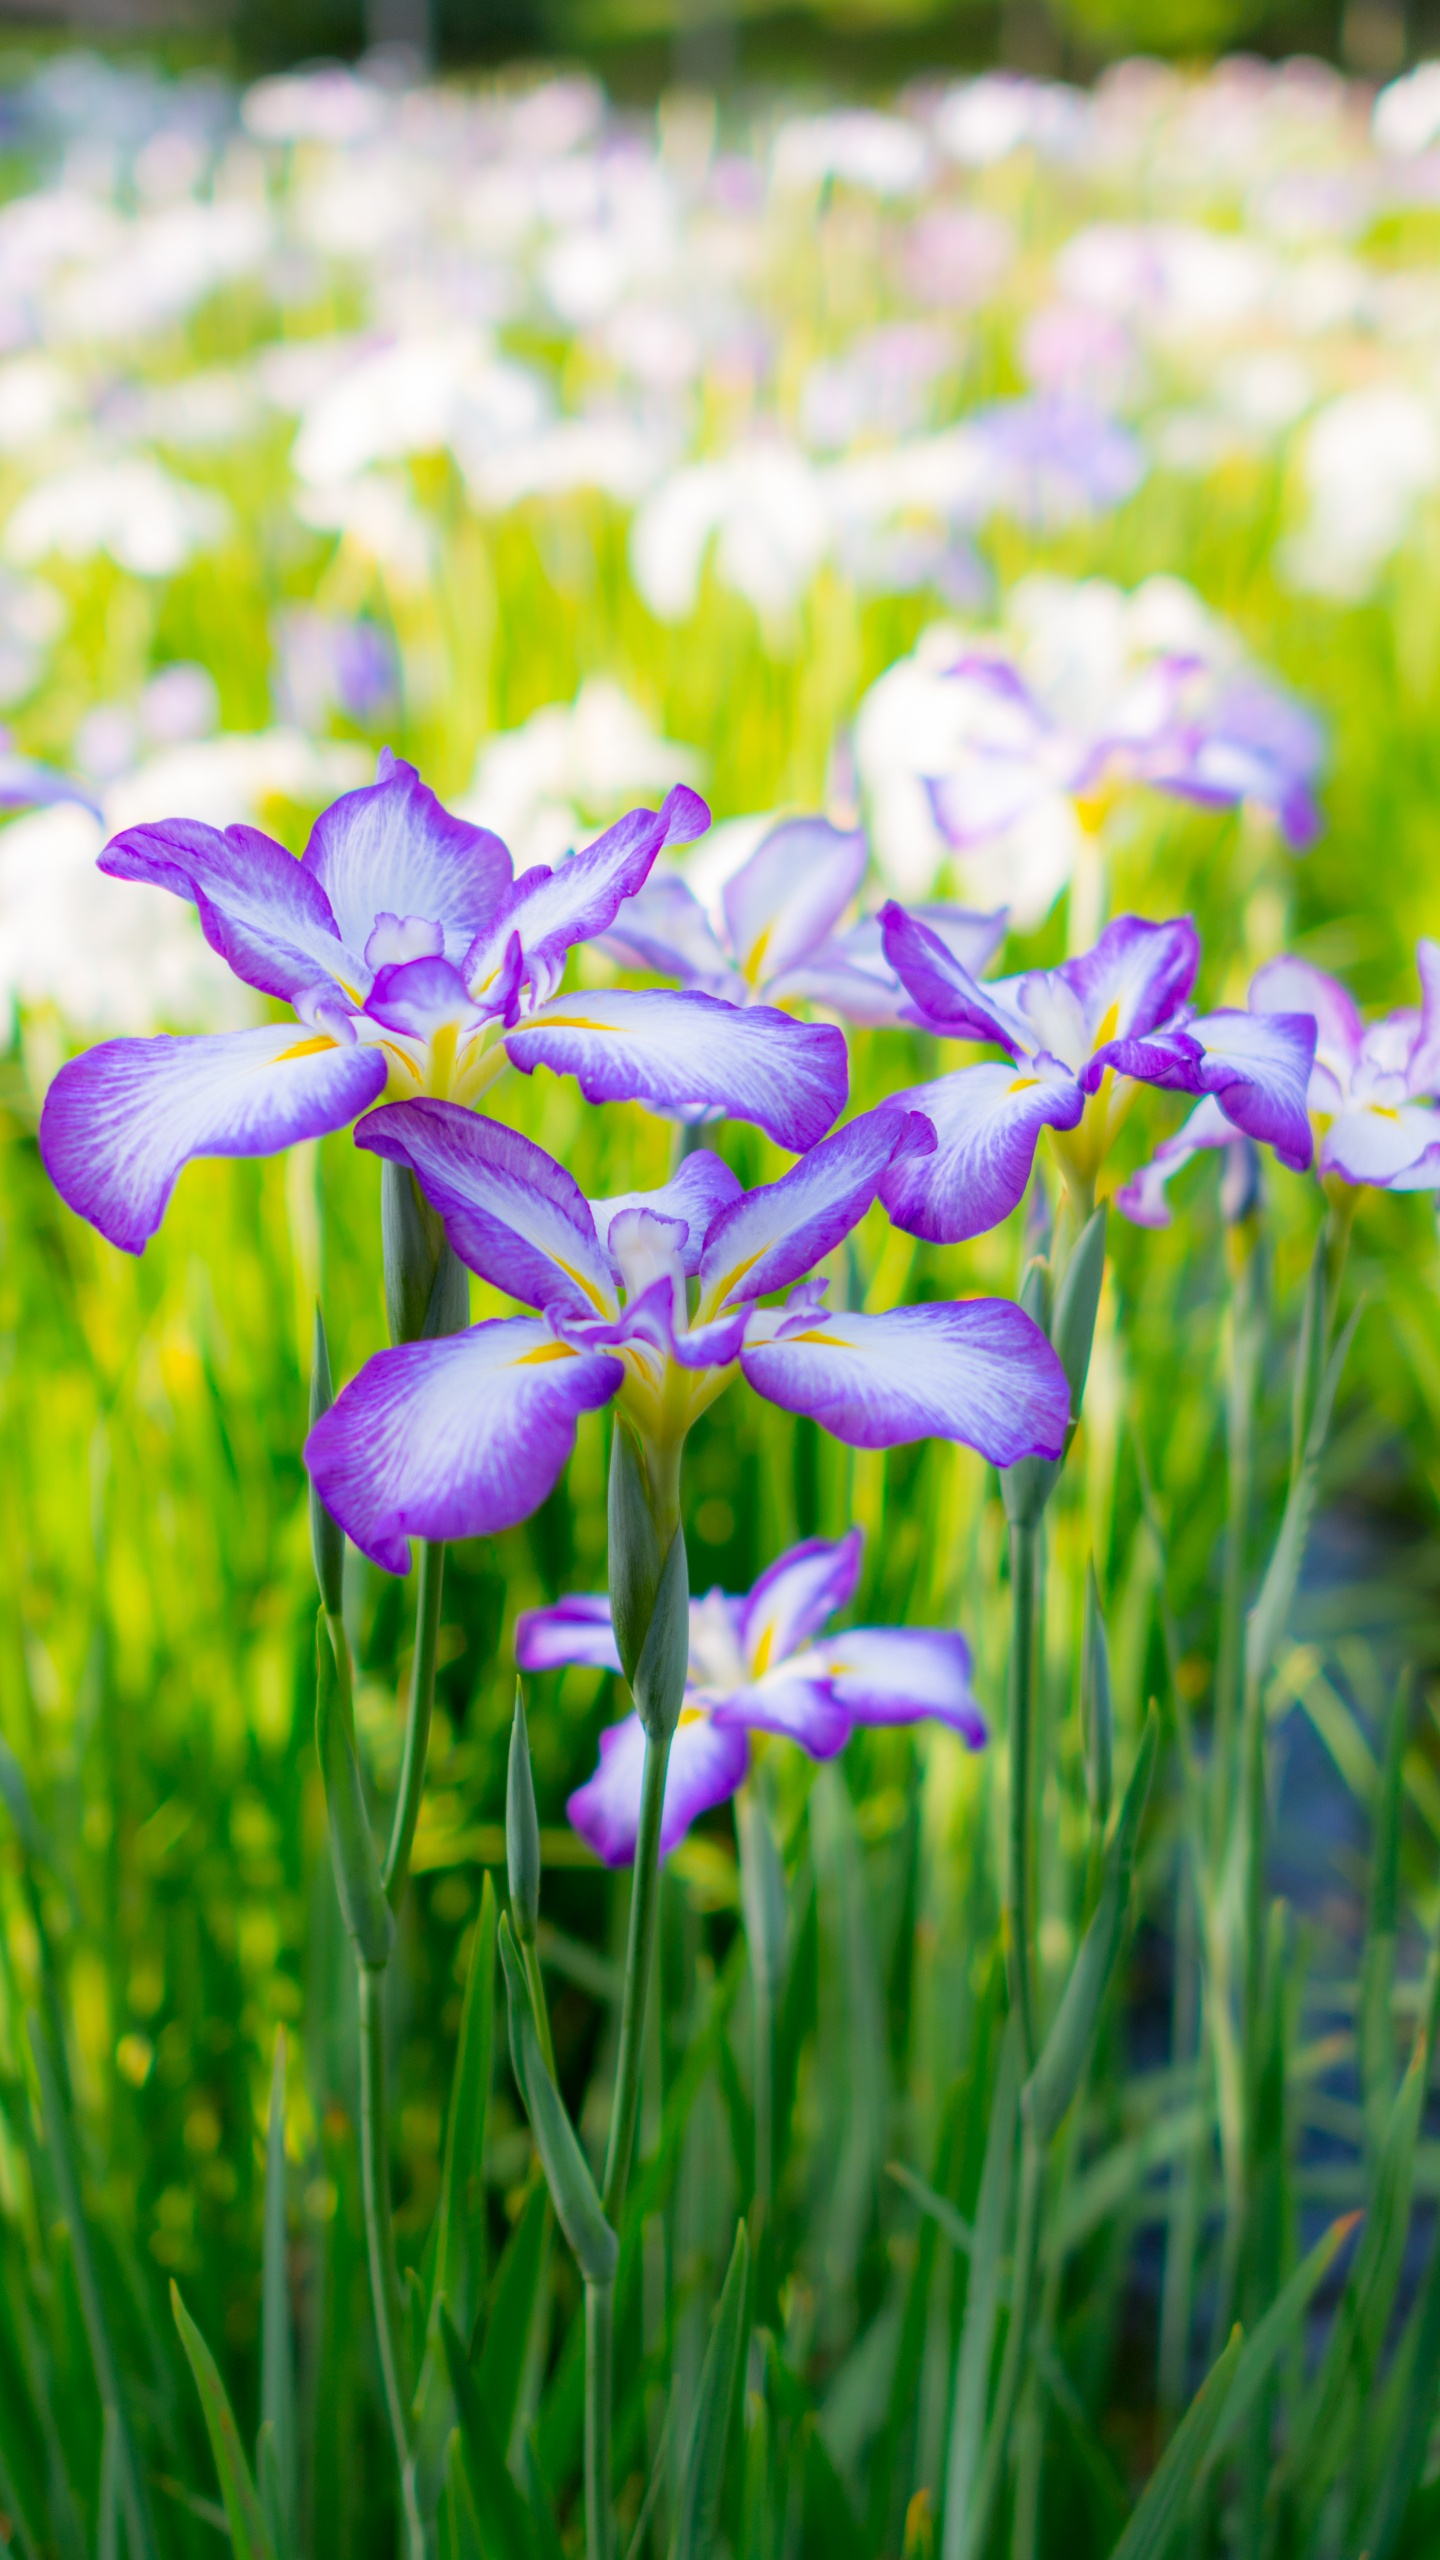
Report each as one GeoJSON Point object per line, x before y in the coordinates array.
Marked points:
{"type": "Point", "coordinates": [777, 938]}
{"type": "Point", "coordinates": [1078, 1040]}
{"type": "Point", "coordinates": [760, 1664]}
{"type": "Point", "coordinates": [652, 1300]}
{"type": "Point", "coordinates": [416, 964]}
{"type": "Point", "coordinates": [1371, 1092]}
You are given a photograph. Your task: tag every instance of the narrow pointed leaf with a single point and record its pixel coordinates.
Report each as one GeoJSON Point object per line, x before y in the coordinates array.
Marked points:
{"type": "Point", "coordinates": [518, 2282]}
{"type": "Point", "coordinates": [576, 2199]}
{"type": "Point", "coordinates": [1097, 1707]}
{"type": "Point", "coordinates": [1152, 2527]}
{"type": "Point", "coordinates": [982, 2299]}
{"type": "Point", "coordinates": [1410, 2442]}
{"type": "Point", "coordinates": [1273, 2333]}
{"type": "Point", "coordinates": [277, 2360]}
{"type": "Point", "coordinates": [461, 2254]}
{"type": "Point", "coordinates": [1051, 2088]}
{"type": "Point", "coordinates": [464, 2524]}
{"type": "Point", "coordinates": [522, 1830]}
{"type": "Point", "coordinates": [249, 2532]}
{"type": "Point", "coordinates": [1268, 1617]}
{"type": "Point", "coordinates": [698, 2507]}
{"type": "Point", "coordinates": [367, 1914]}
{"type": "Point", "coordinates": [506, 2532]}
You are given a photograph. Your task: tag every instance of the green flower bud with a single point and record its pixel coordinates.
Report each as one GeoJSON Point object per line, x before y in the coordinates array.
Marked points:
{"type": "Point", "coordinates": [522, 1830]}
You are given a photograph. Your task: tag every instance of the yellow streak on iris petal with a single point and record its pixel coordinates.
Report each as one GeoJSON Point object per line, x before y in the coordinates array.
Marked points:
{"type": "Point", "coordinates": [1021, 1084]}
{"type": "Point", "coordinates": [1384, 1111]}
{"type": "Point", "coordinates": [693, 1715]}
{"type": "Point", "coordinates": [761, 1661]}
{"type": "Point", "coordinates": [544, 1351]}
{"type": "Point", "coordinates": [564, 1022]}
{"type": "Point", "coordinates": [596, 1301]}
{"type": "Point", "coordinates": [832, 1341]}
{"type": "Point", "coordinates": [1109, 1025]}
{"type": "Point", "coordinates": [733, 1278]}
{"type": "Point", "coordinates": [307, 1048]}
{"type": "Point", "coordinates": [755, 958]}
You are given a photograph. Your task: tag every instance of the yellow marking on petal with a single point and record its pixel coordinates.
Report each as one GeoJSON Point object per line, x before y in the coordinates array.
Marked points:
{"type": "Point", "coordinates": [308, 1048]}
{"type": "Point", "coordinates": [352, 992]}
{"type": "Point", "coordinates": [564, 1022]}
{"type": "Point", "coordinates": [1384, 1111]}
{"type": "Point", "coordinates": [1021, 1084]}
{"type": "Point", "coordinates": [693, 1715]}
{"type": "Point", "coordinates": [1109, 1026]}
{"type": "Point", "coordinates": [544, 1351]}
{"type": "Point", "coordinates": [755, 959]}
{"type": "Point", "coordinates": [763, 1650]}
{"type": "Point", "coordinates": [596, 1301]}
{"type": "Point", "coordinates": [402, 1059]}
{"type": "Point", "coordinates": [732, 1278]}
{"type": "Point", "coordinates": [832, 1341]}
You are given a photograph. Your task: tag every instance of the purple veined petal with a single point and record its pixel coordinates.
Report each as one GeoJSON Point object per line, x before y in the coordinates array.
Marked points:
{"type": "Point", "coordinates": [657, 1320]}
{"type": "Point", "coordinates": [1380, 1146]}
{"type": "Point", "coordinates": [1143, 1198]}
{"type": "Point", "coordinates": [397, 939]}
{"type": "Point", "coordinates": [777, 1233]}
{"type": "Point", "coordinates": [120, 1122]}
{"type": "Point", "coordinates": [978, 1371]}
{"type": "Point", "coordinates": [904, 1675]}
{"type": "Point", "coordinates": [415, 997]}
{"type": "Point", "coordinates": [552, 910]}
{"type": "Point", "coordinates": [1259, 1065]}
{"type": "Point", "coordinates": [790, 894]}
{"type": "Point", "coordinates": [695, 1196]}
{"type": "Point", "coordinates": [510, 1211]}
{"type": "Point", "coordinates": [790, 1701]}
{"type": "Point", "coordinates": [264, 913]}
{"type": "Point", "coordinates": [987, 1122]}
{"type": "Point", "coordinates": [664, 927]}
{"type": "Point", "coordinates": [853, 977]}
{"type": "Point", "coordinates": [1171, 1059]}
{"type": "Point", "coordinates": [391, 849]}
{"type": "Point", "coordinates": [456, 1438]}
{"type": "Point", "coordinates": [1294, 986]}
{"type": "Point", "coordinates": [707, 1764]}
{"type": "Point", "coordinates": [575, 1632]}
{"type": "Point", "coordinates": [942, 989]}
{"type": "Point", "coordinates": [689, 1053]}
{"type": "Point", "coordinates": [793, 1598]}
{"type": "Point", "coordinates": [1135, 976]}
{"type": "Point", "coordinates": [1423, 1174]}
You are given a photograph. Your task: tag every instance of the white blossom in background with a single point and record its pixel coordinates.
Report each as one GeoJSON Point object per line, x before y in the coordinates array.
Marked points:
{"type": "Point", "coordinates": [1367, 462]}
{"type": "Point", "coordinates": [546, 786]}
{"type": "Point", "coordinates": [146, 519]}
{"type": "Point", "coordinates": [32, 617]}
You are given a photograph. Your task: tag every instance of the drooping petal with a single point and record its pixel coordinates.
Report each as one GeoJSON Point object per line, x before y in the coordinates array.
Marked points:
{"type": "Point", "coordinates": [941, 988]}
{"type": "Point", "coordinates": [574, 1631]}
{"type": "Point", "coordinates": [552, 910]}
{"type": "Point", "coordinates": [694, 1197]}
{"type": "Point", "coordinates": [707, 1763]}
{"type": "Point", "coordinates": [902, 1675]}
{"type": "Point", "coordinates": [1135, 977]}
{"type": "Point", "coordinates": [265, 914]}
{"type": "Point", "coordinates": [777, 1233]}
{"type": "Point", "coordinates": [1143, 1198]}
{"type": "Point", "coordinates": [853, 977]}
{"type": "Point", "coordinates": [1259, 1065]}
{"type": "Point", "coordinates": [977, 1371]}
{"type": "Point", "coordinates": [391, 849]}
{"type": "Point", "coordinates": [1171, 1059]}
{"type": "Point", "coordinates": [688, 1053]}
{"type": "Point", "coordinates": [120, 1122]}
{"type": "Point", "coordinates": [1382, 1146]}
{"type": "Point", "coordinates": [794, 1700]}
{"type": "Point", "coordinates": [1294, 986]}
{"type": "Point", "coordinates": [788, 896]}
{"type": "Point", "coordinates": [796, 1594]}
{"type": "Point", "coordinates": [456, 1438]}
{"type": "Point", "coordinates": [510, 1211]}
{"type": "Point", "coordinates": [987, 1122]}
{"type": "Point", "coordinates": [664, 927]}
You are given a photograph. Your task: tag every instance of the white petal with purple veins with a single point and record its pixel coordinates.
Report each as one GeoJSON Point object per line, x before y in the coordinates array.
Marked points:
{"type": "Point", "coordinates": [707, 1764]}
{"type": "Point", "coordinates": [778, 1233]}
{"type": "Point", "coordinates": [987, 1122]}
{"type": "Point", "coordinates": [979, 1372]}
{"type": "Point", "coordinates": [259, 908]}
{"type": "Point", "coordinates": [686, 1052]}
{"type": "Point", "coordinates": [510, 1211]}
{"type": "Point", "coordinates": [391, 849]}
{"type": "Point", "coordinates": [793, 1598]}
{"type": "Point", "coordinates": [577, 1631]}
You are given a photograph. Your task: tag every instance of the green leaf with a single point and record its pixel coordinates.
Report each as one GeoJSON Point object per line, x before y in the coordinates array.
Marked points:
{"type": "Point", "coordinates": [462, 2249]}
{"type": "Point", "coordinates": [1267, 1619]}
{"type": "Point", "coordinates": [956, 2229]}
{"type": "Point", "coordinates": [327, 1538]}
{"type": "Point", "coordinates": [1273, 2333]}
{"type": "Point", "coordinates": [1097, 1709]}
{"type": "Point", "coordinates": [577, 2202]}
{"type": "Point", "coordinates": [1377, 1969]}
{"type": "Point", "coordinates": [660, 1673]}
{"type": "Point", "coordinates": [1415, 2419]}
{"type": "Point", "coordinates": [464, 2524]}
{"type": "Point", "coordinates": [982, 2298]}
{"type": "Point", "coordinates": [277, 2476]}
{"type": "Point", "coordinates": [506, 2532]}
{"type": "Point", "coordinates": [762, 1892]}
{"type": "Point", "coordinates": [522, 1830]}
{"type": "Point", "coordinates": [367, 1914]}
{"type": "Point", "coordinates": [249, 2532]}
{"type": "Point", "coordinates": [519, 2280]}
{"type": "Point", "coordinates": [698, 2505]}
{"type": "Point", "coordinates": [1028, 1485]}
{"type": "Point", "coordinates": [1050, 2089]}
{"type": "Point", "coordinates": [1152, 2527]}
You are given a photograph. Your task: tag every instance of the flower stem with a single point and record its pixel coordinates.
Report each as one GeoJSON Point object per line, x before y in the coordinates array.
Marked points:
{"type": "Point", "coordinates": [417, 1722]}
{"type": "Point", "coordinates": [599, 2384]}
{"type": "Point", "coordinates": [1024, 1588]}
{"type": "Point", "coordinates": [644, 1903]}
{"type": "Point", "coordinates": [379, 2233]}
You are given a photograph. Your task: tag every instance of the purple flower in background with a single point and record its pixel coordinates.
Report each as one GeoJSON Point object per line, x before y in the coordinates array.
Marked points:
{"type": "Point", "coordinates": [1059, 457]}
{"type": "Point", "coordinates": [24, 784]}
{"type": "Point", "coordinates": [776, 940]}
{"type": "Point", "coordinates": [1078, 1040]}
{"type": "Point", "coordinates": [761, 1664]}
{"type": "Point", "coordinates": [330, 663]}
{"type": "Point", "coordinates": [652, 1299]}
{"type": "Point", "coordinates": [414, 960]}
{"type": "Point", "coordinates": [1370, 1094]}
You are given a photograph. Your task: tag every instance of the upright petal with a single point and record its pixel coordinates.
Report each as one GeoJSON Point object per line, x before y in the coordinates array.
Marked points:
{"type": "Point", "coordinates": [987, 1122]}
{"type": "Point", "coordinates": [510, 1211]}
{"type": "Point", "coordinates": [391, 849]}
{"type": "Point", "coordinates": [796, 1595]}
{"type": "Point", "coordinates": [688, 1053]}
{"type": "Point", "coordinates": [790, 894]}
{"type": "Point", "coordinates": [980, 1372]}
{"type": "Point", "coordinates": [551, 910]}
{"type": "Point", "coordinates": [707, 1764]}
{"type": "Point", "coordinates": [663, 927]}
{"type": "Point", "coordinates": [944, 994]}
{"type": "Point", "coordinates": [575, 1631]}
{"type": "Point", "coordinates": [778, 1233]}
{"type": "Point", "coordinates": [853, 977]}
{"type": "Point", "coordinates": [120, 1122]}
{"type": "Point", "coordinates": [1393, 1148]}
{"type": "Point", "coordinates": [259, 908]}
{"type": "Point", "coordinates": [415, 997]}
{"type": "Point", "coordinates": [456, 1438]}
{"type": "Point", "coordinates": [1296, 986]}
{"type": "Point", "coordinates": [902, 1675]}
{"type": "Point", "coordinates": [1259, 1066]}
{"type": "Point", "coordinates": [694, 1198]}
{"type": "Point", "coordinates": [1135, 977]}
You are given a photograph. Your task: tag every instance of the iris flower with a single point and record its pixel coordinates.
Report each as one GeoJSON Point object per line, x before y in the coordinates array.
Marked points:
{"type": "Point", "coordinates": [1078, 1040]}
{"type": "Point", "coordinates": [416, 964]}
{"type": "Point", "coordinates": [776, 939]}
{"type": "Point", "coordinates": [1371, 1091]}
{"type": "Point", "coordinates": [652, 1300]}
{"type": "Point", "coordinates": [761, 1664]}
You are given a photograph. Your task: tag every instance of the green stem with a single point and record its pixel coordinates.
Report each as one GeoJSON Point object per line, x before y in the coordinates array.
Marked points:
{"type": "Point", "coordinates": [599, 2385]}
{"type": "Point", "coordinates": [764, 2099]}
{"type": "Point", "coordinates": [1024, 1587]}
{"type": "Point", "coordinates": [1017, 2348]}
{"type": "Point", "coordinates": [1244, 1335]}
{"type": "Point", "coordinates": [379, 2233]}
{"type": "Point", "coordinates": [644, 1904]}
{"type": "Point", "coordinates": [417, 1722]}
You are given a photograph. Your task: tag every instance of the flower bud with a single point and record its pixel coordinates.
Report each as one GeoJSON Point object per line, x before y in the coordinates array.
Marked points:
{"type": "Point", "coordinates": [427, 1287]}
{"type": "Point", "coordinates": [649, 1590]}
{"type": "Point", "coordinates": [327, 1538]}
{"type": "Point", "coordinates": [522, 1830]}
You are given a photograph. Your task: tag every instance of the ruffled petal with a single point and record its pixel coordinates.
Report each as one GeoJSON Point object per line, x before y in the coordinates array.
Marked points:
{"type": "Point", "coordinates": [414, 997]}
{"type": "Point", "coordinates": [265, 914]}
{"type": "Point", "coordinates": [1294, 986]}
{"type": "Point", "coordinates": [903, 1675]}
{"type": "Point", "coordinates": [979, 1372]}
{"type": "Point", "coordinates": [694, 1198]}
{"type": "Point", "coordinates": [510, 1211]}
{"type": "Point", "coordinates": [794, 1597]}
{"type": "Point", "coordinates": [707, 1763]}
{"type": "Point", "coordinates": [789, 895]}
{"type": "Point", "coordinates": [1382, 1147]}
{"type": "Point", "coordinates": [552, 910]}
{"type": "Point", "coordinates": [853, 977]}
{"type": "Point", "coordinates": [120, 1122]}
{"type": "Point", "coordinates": [791, 1701]}
{"type": "Point", "coordinates": [456, 1438]}
{"type": "Point", "coordinates": [1135, 977]}
{"type": "Point", "coordinates": [944, 994]}
{"type": "Point", "coordinates": [987, 1122]}
{"type": "Point", "coordinates": [391, 849]}
{"type": "Point", "coordinates": [1259, 1065]}
{"type": "Point", "coordinates": [1173, 1060]}
{"type": "Point", "coordinates": [576, 1631]}
{"type": "Point", "coordinates": [690, 1054]}
{"type": "Point", "coordinates": [778, 1233]}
